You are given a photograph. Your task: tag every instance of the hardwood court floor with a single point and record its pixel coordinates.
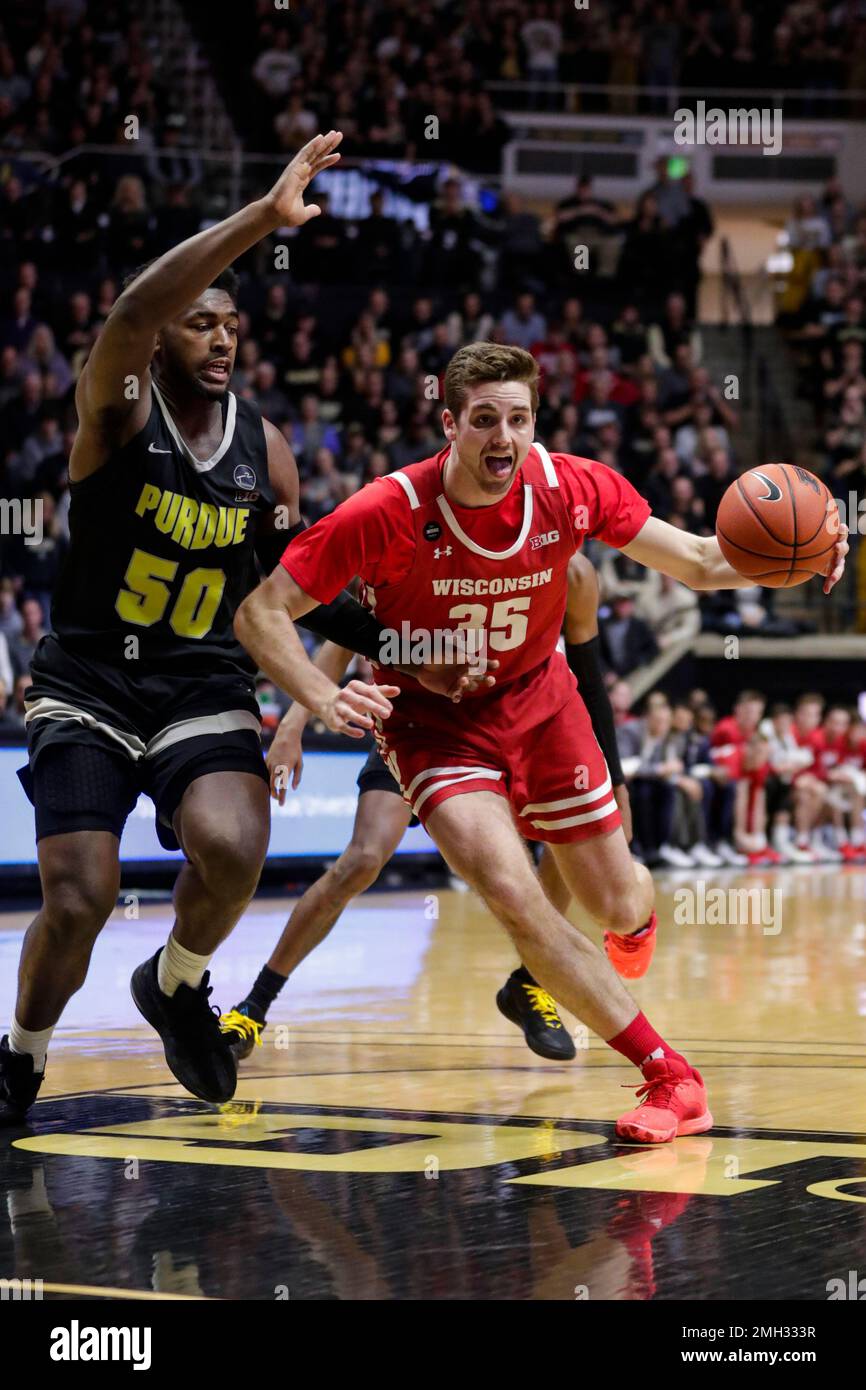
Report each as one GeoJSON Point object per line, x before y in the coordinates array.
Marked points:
{"type": "Point", "coordinates": [395, 1139]}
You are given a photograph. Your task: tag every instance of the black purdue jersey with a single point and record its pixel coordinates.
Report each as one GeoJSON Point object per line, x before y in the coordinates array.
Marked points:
{"type": "Point", "coordinates": [161, 551]}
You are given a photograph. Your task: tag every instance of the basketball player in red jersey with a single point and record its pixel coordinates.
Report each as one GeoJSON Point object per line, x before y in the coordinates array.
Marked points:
{"type": "Point", "coordinates": [382, 818]}
{"type": "Point", "coordinates": [480, 537]}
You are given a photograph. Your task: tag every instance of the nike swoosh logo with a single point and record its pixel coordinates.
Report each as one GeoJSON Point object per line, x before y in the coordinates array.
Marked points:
{"type": "Point", "coordinates": [773, 493]}
{"type": "Point", "coordinates": [152, 449]}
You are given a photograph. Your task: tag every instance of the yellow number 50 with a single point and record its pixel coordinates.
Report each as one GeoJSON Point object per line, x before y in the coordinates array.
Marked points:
{"type": "Point", "coordinates": [146, 599]}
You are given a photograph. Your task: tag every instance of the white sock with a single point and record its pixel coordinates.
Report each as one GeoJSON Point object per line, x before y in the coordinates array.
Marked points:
{"type": "Point", "coordinates": [178, 966]}
{"type": "Point", "coordinates": [23, 1040]}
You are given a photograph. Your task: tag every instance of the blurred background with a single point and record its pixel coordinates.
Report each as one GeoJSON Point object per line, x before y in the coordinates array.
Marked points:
{"type": "Point", "coordinates": [510, 172]}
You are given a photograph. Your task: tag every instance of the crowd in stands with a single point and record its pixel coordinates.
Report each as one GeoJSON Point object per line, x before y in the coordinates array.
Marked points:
{"type": "Point", "coordinates": [761, 786]}
{"type": "Point", "coordinates": [353, 378]}
{"type": "Point", "coordinates": [377, 70]}
{"type": "Point", "coordinates": [823, 311]}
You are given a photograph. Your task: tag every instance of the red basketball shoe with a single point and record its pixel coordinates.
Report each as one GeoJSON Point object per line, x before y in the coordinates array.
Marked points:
{"type": "Point", "coordinates": [630, 955]}
{"type": "Point", "coordinates": [674, 1103]}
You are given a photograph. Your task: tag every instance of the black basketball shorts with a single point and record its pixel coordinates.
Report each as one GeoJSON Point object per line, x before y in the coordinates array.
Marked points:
{"type": "Point", "coordinates": [376, 777]}
{"type": "Point", "coordinates": [98, 738]}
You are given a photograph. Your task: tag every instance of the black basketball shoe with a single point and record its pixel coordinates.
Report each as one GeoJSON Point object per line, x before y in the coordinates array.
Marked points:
{"type": "Point", "coordinates": [243, 1026]}
{"type": "Point", "coordinates": [196, 1051]}
{"type": "Point", "coordinates": [19, 1084]}
{"type": "Point", "coordinates": [525, 1003]}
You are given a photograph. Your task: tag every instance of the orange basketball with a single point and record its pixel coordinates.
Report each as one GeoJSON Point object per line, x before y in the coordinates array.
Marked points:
{"type": "Point", "coordinates": [778, 525]}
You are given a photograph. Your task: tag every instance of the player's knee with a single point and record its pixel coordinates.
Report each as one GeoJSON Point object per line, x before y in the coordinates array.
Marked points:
{"type": "Point", "coordinates": [358, 867]}
{"type": "Point", "coordinates": [620, 912]}
{"type": "Point", "coordinates": [510, 898]}
{"type": "Point", "coordinates": [228, 865]}
{"type": "Point", "coordinates": [78, 906]}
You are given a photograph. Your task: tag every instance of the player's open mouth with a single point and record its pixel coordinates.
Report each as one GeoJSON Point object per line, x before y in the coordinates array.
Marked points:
{"type": "Point", "coordinates": [217, 370]}
{"type": "Point", "coordinates": [498, 464]}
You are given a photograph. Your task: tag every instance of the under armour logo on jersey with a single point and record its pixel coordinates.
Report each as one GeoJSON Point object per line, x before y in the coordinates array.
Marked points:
{"type": "Point", "coordinates": [152, 449]}
{"type": "Point", "coordinates": [438, 553]}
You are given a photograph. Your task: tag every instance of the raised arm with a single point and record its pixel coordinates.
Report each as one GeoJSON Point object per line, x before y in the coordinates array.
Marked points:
{"type": "Point", "coordinates": [110, 409]}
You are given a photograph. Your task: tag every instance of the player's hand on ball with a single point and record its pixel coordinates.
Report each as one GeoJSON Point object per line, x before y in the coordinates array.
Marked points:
{"type": "Point", "coordinates": [837, 560]}
{"type": "Point", "coordinates": [352, 711]}
{"type": "Point", "coordinates": [285, 760]}
{"type": "Point", "coordinates": [287, 195]}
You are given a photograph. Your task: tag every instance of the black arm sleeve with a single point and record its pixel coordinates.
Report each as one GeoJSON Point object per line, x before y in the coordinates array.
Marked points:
{"type": "Point", "coordinates": [344, 620]}
{"type": "Point", "coordinates": [585, 661]}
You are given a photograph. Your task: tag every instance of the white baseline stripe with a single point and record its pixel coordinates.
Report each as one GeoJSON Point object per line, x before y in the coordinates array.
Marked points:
{"type": "Point", "coordinates": [607, 810]}
{"type": "Point", "coordinates": [568, 802]}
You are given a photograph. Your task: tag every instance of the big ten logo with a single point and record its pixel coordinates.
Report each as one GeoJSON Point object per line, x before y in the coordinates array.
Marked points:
{"type": "Point", "coordinates": [21, 1290]}
{"type": "Point", "coordinates": [431, 907]}
{"type": "Point", "coordinates": [581, 777]}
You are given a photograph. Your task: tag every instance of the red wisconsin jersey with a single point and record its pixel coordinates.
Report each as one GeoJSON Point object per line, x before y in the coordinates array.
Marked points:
{"type": "Point", "coordinates": [436, 566]}
{"type": "Point", "coordinates": [515, 595]}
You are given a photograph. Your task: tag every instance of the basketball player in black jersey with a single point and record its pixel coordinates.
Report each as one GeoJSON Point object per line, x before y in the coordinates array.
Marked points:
{"type": "Point", "coordinates": [141, 685]}
{"type": "Point", "coordinates": [381, 820]}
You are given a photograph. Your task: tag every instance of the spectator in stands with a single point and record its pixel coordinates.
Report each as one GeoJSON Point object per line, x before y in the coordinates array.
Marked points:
{"type": "Point", "coordinates": [652, 767]}
{"type": "Point", "coordinates": [669, 609]}
{"type": "Point", "coordinates": [644, 261]}
{"type": "Point", "coordinates": [32, 631]}
{"type": "Point", "coordinates": [524, 324]}
{"type": "Point", "coordinates": [626, 641]}
{"type": "Point", "coordinates": [787, 758]}
{"type": "Point", "coordinates": [674, 327]}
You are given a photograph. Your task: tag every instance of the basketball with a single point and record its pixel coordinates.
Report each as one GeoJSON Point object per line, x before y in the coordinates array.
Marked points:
{"type": "Point", "coordinates": [778, 525]}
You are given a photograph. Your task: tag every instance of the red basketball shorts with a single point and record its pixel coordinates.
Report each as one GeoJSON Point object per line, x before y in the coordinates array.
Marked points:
{"type": "Point", "coordinates": [552, 773]}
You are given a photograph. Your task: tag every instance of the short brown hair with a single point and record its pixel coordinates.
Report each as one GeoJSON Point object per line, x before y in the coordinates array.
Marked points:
{"type": "Point", "coordinates": [477, 363]}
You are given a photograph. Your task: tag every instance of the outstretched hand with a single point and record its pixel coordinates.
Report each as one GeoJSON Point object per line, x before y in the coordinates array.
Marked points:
{"type": "Point", "coordinates": [287, 195]}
